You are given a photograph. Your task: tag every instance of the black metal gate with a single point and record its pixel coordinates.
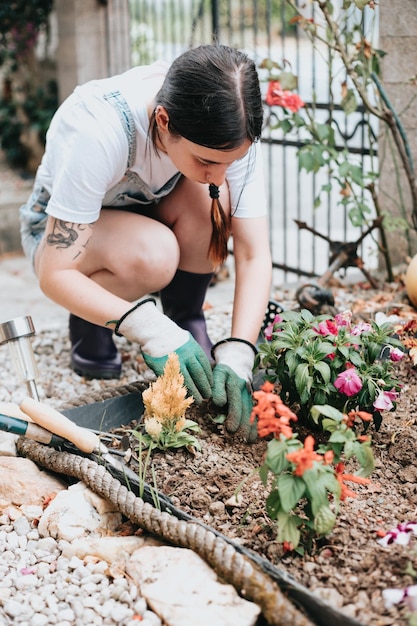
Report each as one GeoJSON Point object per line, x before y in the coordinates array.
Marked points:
{"type": "Point", "coordinates": [162, 29]}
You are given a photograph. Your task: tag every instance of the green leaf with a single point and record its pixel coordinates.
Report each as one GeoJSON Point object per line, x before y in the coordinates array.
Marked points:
{"type": "Point", "coordinates": [288, 529]}
{"type": "Point", "coordinates": [286, 126]}
{"type": "Point", "coordinates": [292, 361]}
{"type": "Point", "coordinates": [287, 81]}
{"type": "Point", "coordinates": [291, 489]}
{"type": "Point", "coordinates": [191, 425]}
{"type": "Point", "coordinates": [328, 411]}
{"type": "Point", "coordinates": [273, 504]}
{"type": "Point", "coordinates": [303, 381]}
{"type": "Point", "coordinates": [275, 456]}
{"type": "Point", "coordinates": [263, 473]}
{"type": "Point", "coordinates": [323, 132]}
{"type": "Point", "coordinates": [348, 103]}
{"type": "Point", "coordinates": [324, 370]}
{"type": "Point", "coordinates": [364, 454]}
{"type": "Point", "coordinates": [341, 436]}
{"type": "Point", "coordinates": [344, 351]}
{"type": "Point", "coordinates": [329, 425]}
{"type": "Point", "coordinates": [324, 520]}
{"type": "Point", "coordinates": [356, 174]}
{"type": "Point", "coordinates": [310, 158]}
{"type": "Point", "coordinates": [355, 358]}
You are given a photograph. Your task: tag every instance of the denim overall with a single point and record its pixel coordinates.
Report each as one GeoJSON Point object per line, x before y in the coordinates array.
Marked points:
{"type": "Point", "coordinates": [130, 193]}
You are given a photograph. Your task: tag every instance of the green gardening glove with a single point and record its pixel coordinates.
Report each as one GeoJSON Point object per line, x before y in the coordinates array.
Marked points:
{"type": "Point", "coordinates": [194, 366]}
{"type": "Point", "coordinates": [159, 336]}
{"type": "Point", "coordinates": [232, 384]}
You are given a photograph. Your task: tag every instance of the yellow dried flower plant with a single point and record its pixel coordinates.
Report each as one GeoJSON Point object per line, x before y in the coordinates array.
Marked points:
{"type": "Point", "coordinates": [166, 403]}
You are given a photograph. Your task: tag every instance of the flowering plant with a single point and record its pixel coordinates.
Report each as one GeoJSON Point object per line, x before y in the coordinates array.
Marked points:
{"type": "Point", "coordinates": [407, 596]}
{"type": "Point", "coordinates": [337, 33]}
{"type": "Point", "coordinates": [165, 404]}
{"type": "Point", "coordinates": [332, 361]}
{"type": "Point", "coordinates": [307, 485]}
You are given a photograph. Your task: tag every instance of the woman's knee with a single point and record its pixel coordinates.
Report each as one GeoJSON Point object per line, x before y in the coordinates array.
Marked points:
{"type": "Point", "coordinates": [151, 261]}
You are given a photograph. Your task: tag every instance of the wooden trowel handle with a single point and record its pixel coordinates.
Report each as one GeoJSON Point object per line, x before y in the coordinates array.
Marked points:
{"type": "Point", "coordinates": [56, 423]}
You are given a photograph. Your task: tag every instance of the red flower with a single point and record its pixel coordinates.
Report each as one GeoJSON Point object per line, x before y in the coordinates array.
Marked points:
{"type": "Point", "coordinates": [326, 328]}
{"type": "Point", "coordinates": [286, 99]}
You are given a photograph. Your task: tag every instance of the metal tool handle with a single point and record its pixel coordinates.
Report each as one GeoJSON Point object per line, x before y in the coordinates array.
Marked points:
{"type": "Point", "coordinates": [56, 423]}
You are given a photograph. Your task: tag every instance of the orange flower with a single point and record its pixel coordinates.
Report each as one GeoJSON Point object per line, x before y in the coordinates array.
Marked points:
{"type": "Point", "coordinates": [342, 478]}
{"type": "Point", "coordinates": [305, 457]}
{"type": "Point", "coordinates": [273, 415]}
{"type": "Point", "coordinates": [349, 419]}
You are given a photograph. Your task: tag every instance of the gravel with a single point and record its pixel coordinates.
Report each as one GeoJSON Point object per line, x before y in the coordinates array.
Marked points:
{"type": "Point", "coordinates": [38, 585]}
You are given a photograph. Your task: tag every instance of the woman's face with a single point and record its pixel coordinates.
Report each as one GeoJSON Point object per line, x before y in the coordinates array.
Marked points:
{"type": "Point", "coordinates": [195, 162]}
{"type": "Point", "coordinates": [201, 164]}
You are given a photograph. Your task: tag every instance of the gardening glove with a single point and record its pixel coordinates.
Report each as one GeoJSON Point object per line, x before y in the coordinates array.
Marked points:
{"type": "Point", "coordinates": [158, 336]}
{"type": "Point", "coordinates": [234, 359]}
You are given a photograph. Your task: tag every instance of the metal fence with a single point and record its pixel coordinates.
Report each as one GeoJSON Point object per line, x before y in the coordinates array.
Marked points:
{"type": "Point", "coordinates": [162, 29]}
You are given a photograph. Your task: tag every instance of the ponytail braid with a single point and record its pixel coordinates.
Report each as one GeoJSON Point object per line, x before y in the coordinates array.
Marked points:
{"type": "Point", "coordinates": [221, 224]}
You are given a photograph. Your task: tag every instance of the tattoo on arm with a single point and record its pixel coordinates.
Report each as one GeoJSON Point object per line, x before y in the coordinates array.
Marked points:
{"type": "Point", "coordinates": [65, 234]}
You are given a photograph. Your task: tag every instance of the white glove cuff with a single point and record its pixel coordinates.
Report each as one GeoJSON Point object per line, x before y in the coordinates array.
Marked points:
{"type": "Point", "coordinates": [237, 354]}
{"type": "Point", "coordinates": [153, 330]}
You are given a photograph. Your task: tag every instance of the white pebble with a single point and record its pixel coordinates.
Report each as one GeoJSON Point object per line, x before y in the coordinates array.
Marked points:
{"type": "Point", "coordinates": [140, 606]}
{"type": "Point", "coordinates": [37, 603]}
{"type": "Point", "coordinates": [39, 620]}
{"type": "Point", "coordinates": [21, 526]}
{"type": "Point", "coordinates": [67, 615]}
{"type": "Point", "coordinates": [12, 540]}
{"type": "Point", "coordinates": [29, 580]}
{"type": "Point", "coordinates": [152, 618]}
{"type": "Point", "coordinates": [48, 544]}
{"type": "Point", "coordinates": [121, 612]}
{"type": "Point", "coordinates": [31, 511]}
{"type": "Point", "coordinates": [13, 608]}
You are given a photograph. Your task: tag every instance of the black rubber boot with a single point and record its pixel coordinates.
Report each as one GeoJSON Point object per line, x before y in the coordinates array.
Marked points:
{"type": "Point", "coordinates": [182, 301]}
{"type": "Point", "coordinates": [93, 352]}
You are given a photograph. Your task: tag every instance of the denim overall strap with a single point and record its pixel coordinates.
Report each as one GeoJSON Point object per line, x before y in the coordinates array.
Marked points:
{"type": "Point", "coordinates": [116, 99]}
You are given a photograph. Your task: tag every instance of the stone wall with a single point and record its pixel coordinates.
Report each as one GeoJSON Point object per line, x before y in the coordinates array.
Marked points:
{"type": "Point", "coordinates": [93, 41]}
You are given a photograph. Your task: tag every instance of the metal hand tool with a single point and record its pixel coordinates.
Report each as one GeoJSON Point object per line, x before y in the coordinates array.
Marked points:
{"type": "Point", "coordinates": [84, 439]}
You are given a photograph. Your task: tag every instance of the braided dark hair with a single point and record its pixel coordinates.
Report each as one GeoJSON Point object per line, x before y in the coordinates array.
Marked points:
{"type": "Point", "coordinates": [213, 99]}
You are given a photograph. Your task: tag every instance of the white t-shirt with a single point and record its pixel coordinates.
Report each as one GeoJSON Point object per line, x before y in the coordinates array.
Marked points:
{"type": "Point", "coordinates": [87, 151]}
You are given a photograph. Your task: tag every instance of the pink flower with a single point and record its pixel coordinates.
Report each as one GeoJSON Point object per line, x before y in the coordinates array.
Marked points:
{"type": "Point", "coordinates": [348, 382]}
{"type": "Point", "coordinates": [360, 328]}
{"type": "Point", "coordinates": [395, 596]}
{"type": "Point", "coordinates": [286, 99]}
{"type": "Point", "coordinates": [344, 319]}
{"type": "Point", "coordinates": [326, 328]}
{"type": "Point", "coordinates": [268, 332]}
{"type": "Point", "coordinates": [396, 354]}
{"type": "Point", "coordinates": [384, 401]}
{"type": "Point", "coordinates": [401, 534]}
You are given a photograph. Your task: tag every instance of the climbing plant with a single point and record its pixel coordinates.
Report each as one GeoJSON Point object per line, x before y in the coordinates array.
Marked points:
{"type": "Point", "coordinates": [26, 104]}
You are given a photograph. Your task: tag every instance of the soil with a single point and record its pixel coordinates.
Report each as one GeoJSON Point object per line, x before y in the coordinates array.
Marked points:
{"type": "Point", "coordinates": [348, 569]}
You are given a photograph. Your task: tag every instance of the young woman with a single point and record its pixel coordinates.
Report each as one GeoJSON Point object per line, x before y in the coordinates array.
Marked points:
{"type": "Point", "coordinates": [145, 177]}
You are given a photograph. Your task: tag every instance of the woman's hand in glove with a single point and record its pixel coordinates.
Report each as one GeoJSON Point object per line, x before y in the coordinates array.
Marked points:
{"type": "Point", "coordinates": [232, 373]}
{"type": "Point", "coordinates": [158, 336]}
